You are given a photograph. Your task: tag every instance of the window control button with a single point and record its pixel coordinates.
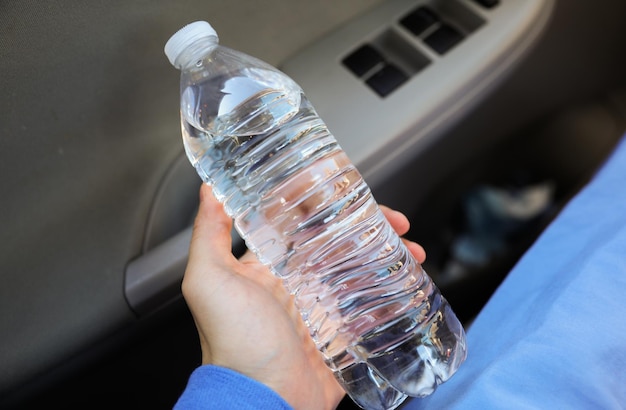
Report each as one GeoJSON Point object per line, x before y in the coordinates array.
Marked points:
{"type": "Point", "coordinates": [363, 59]}
{"type": "Point", "coordinates": [387, 79]}
{"type": "Point", "coordinates": [419, 20]}
{"type": "Point", "coordinates": [488, 3]}
{"type": "Point", "coordinates": [444, 38]}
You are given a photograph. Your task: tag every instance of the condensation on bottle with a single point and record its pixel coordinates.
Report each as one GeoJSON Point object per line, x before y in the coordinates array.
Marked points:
{"type": "Point", "coordinates": [303, 208]}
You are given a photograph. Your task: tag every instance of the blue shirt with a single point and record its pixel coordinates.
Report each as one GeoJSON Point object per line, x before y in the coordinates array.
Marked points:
{"type": "Point", "coordinates": [218, 388]}
{"type": "Point", "coordinates": [552, 336]}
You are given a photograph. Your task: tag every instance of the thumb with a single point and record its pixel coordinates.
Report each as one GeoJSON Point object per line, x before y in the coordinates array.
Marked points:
{"type": "Point", "coordinates": [210, 253]}
{"type": "Point", "coordinates": [211, 231]}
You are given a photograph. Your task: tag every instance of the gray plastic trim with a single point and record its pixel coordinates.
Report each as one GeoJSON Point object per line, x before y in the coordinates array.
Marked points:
{"type": "Point", "coordinates": [382, 134]}
{"type": "Point", "coordinates": [153, 280]}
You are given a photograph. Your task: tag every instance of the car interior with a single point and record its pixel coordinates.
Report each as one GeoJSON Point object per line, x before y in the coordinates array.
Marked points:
{"type": "Point", "coordinates": [478, 119]}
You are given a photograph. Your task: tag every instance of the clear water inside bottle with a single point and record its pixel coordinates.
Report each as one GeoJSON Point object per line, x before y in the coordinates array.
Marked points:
{"type": "Point", "coordinates": [303, 208]}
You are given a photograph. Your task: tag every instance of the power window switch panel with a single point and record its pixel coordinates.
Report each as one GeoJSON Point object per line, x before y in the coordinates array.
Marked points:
{"type": "Point", "coordinates": [488, 3]}
{"type": "Point", "coordinates": [419, 20]}
{"type": "Point", "coordinates": [363, 59]}
{"type": "Point", "coordinates": [387, 79]}
{"type": "Point", "coordinates": [444, 38]}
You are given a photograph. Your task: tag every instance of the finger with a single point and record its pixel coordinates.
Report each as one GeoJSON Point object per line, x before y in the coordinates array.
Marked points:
{"type": "Point", "coordinates": [212, 227]}
{"type": "Point", "coordinates": [398, 221]}
{"type": "Point", "coordinates": [248, 257]}
{"type": "Point", "coordinates": [416, 250]}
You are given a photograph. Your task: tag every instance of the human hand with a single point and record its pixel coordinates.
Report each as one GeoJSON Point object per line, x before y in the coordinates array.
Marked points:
{"type": "Point", "coordinates": [247, 321]}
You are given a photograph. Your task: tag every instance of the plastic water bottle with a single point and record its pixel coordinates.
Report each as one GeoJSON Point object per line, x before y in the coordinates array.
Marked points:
{"type": "Point", "coordinates": [305, 211]}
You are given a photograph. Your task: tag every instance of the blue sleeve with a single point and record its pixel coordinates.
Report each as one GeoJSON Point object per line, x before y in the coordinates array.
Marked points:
{"type": "Point", "coordinates": [553, 335]}
{"type": "Point", "coordinates": [212, 387]}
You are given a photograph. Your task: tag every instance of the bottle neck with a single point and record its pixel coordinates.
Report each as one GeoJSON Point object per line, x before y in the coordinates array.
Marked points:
{"type": "Point", "coordinates": [195, 52]}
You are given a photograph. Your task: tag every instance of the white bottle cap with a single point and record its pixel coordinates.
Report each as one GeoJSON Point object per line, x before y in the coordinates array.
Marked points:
{"type": "Point", "coordinates": [185, 36]}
